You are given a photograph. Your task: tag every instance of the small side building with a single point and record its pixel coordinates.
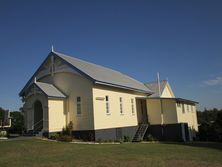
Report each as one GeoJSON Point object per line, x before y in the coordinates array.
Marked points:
{"type": "Point", "coordinates": [5, 120]}
{"type": "Point", "coordinates": [167, 111]}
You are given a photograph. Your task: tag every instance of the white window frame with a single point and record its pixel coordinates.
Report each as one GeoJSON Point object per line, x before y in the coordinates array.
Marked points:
{"type": "Point", "coordinates": [78, 105]}
{"type": "Point", "coordinates": [107, 105]}
{"type": "Point", "coordinates": [121, 105]}
{"type": "Point", "coordinates": [132, 107]}
{"type": "Point", "coordinates": [183, 108]}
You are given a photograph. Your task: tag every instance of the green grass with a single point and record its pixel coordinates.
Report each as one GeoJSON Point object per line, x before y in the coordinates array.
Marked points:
{"type": "Point", "coordinates": [57, 154]}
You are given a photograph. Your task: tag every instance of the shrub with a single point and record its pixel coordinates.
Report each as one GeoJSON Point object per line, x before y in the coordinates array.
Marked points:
{"type": "Point", "coordinates": [99, 140]}
{"type": "Point", "coordinates": [91, 136]}
{"type": "Point", "coordinates": [54, 136]}
{"type": "Point", "coordinates": [65, 131]}
{"type": "Point", "coordinates": [118, 140]}
{"type": "Point", "coordinates": [66, 134]}
{"type": "Point", "coordinates": [65, 138]}
{"type": "Point", "coordinates": [150, 138]}
{"type": "Point", "coordinates": [110, 141]}
{"type": "Point", "coordinates": [3, 133]}
{"type": "Point", "coordinates": [126, 139]}
{"type": "Point", "coordinates": [68, 129]}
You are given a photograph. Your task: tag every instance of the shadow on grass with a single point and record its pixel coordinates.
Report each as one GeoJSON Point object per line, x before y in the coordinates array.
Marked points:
{"type": "Point", "coordinates": [212, 145]}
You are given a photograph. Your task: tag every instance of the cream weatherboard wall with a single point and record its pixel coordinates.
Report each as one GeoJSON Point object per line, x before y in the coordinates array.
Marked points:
{"type": "Point", "coordinates": [56, 115]}
{"type": "Point", "coordinates": [167, 92]}
{"type": "Point", "coordinates": [74, 85]}
{"type": "Point", "coordinates": [154, 111]}
{"type": "Point", "coordinates": [169, 115]}
{"type": "Point", "coordinates": [54, 118]}
{"type": "Point", "coordinates": [172, 113]}
{"type": "Point", "coordinates": [114, 119]}
{"type": "Point", "coordinates": [187, 113]}
{"type": "Point", "coordinates": [169, 111]}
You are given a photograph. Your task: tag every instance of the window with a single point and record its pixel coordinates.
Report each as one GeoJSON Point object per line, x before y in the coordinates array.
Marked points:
{"type": "Point", "coordinates": [183, 108]}
{"type": "Point", "coordinates": [78, 99]}
{"type": "Point", "coordinates": [178, 104]}
{"type": "Point", "coordinates": [132, 105]}
{"type": "Point", "coordinates": [121, 105]}
{"type": "Point", "coordinates": [107, 105]}
{"type": "Point", "coordinates": [187, 107]}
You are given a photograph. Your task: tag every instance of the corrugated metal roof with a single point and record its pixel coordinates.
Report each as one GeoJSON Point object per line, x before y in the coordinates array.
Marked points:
{"type": "Point", "coordinates": [186, 101]}
{"type": "Point", "coordinates": [181, 100]}
{"type": "Point", "coordinates": [104, 75]}
{"type": "Point", "coordinates": [153, 86]}
{"type": "Point", "coordinates": [50, 90]}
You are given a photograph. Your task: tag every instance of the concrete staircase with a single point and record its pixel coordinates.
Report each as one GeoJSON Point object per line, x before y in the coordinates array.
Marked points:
{"type": "Point", "coordinates": [39, 134]}
{"type": "Point", "coordinates": [141, 131]}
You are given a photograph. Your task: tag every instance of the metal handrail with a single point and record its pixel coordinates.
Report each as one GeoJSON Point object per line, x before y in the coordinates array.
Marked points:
{"type": "Point", "coordinates": [36, 127]}
{"type": "Point", "coordinates": [37, 123]}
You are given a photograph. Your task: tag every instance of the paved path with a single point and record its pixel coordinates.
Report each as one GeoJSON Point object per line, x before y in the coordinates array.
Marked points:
{"type": "Point", "coordinates": [19, 138]}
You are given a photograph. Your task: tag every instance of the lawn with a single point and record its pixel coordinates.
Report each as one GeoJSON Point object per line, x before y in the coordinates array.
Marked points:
{"type": "Point", "coordinates": [39, 153]}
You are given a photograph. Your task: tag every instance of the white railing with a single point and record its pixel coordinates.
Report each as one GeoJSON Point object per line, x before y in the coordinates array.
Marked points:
{"type": "Point", "coordinates": [36, 123]}
{"type": "Point", "coordinates": [5, 124]}
{"type": "Point", "coordinates": [40, 125]}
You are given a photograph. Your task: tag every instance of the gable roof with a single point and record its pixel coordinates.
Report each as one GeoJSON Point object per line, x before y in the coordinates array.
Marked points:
{"type": "Point", "coordinates": [50, 90]}
{"type": "Point", "coordinates": [98, 74]}
{"type": "Point", "coordinates": [104, 75]}
{"type": "Point", "coordinates": [153, 86]}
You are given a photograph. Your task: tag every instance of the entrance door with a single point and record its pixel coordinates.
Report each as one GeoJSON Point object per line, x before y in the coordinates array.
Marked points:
{"type": "Point", "coordinates": [142, 111]}
{"type": "Point", "coordinates": [38, 116]}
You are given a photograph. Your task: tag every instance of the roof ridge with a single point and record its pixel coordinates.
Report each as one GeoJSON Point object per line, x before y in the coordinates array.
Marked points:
{"type": "Point", "coordinates": [95, 73]}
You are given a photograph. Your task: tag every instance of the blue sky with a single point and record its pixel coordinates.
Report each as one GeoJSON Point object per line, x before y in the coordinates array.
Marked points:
{"type": "Point", "coordinates": [182, 40]}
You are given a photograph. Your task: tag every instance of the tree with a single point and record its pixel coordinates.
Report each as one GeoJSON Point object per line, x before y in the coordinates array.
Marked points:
{"type": "Point", "coordinates": [218, 123]}
{"type": "Point", "coordinates": [1, 113]}
{"type": "Point", "coordinates": [2, 116]}
{"type": "Point", "coordinates": [219, 119]}
{"type": "Point", "coordinates": [210, 128]}
{"type": "Point", "coordinates": [17, 122]}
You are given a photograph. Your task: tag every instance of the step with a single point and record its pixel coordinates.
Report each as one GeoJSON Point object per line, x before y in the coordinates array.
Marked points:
{"type": "Point", "coordinates": [140, 133]}
{"type": "Point", "coordinates": [39, 134]}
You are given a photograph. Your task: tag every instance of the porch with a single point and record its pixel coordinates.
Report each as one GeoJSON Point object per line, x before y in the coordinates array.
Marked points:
{"type": "Point", "coordinates": [44, 109]}
{"type": "Point", "coordinates": [142, 118]}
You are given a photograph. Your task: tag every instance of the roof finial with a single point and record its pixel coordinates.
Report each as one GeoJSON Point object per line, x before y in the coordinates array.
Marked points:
{"type": "Point", "coordinates": [52, 49]}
